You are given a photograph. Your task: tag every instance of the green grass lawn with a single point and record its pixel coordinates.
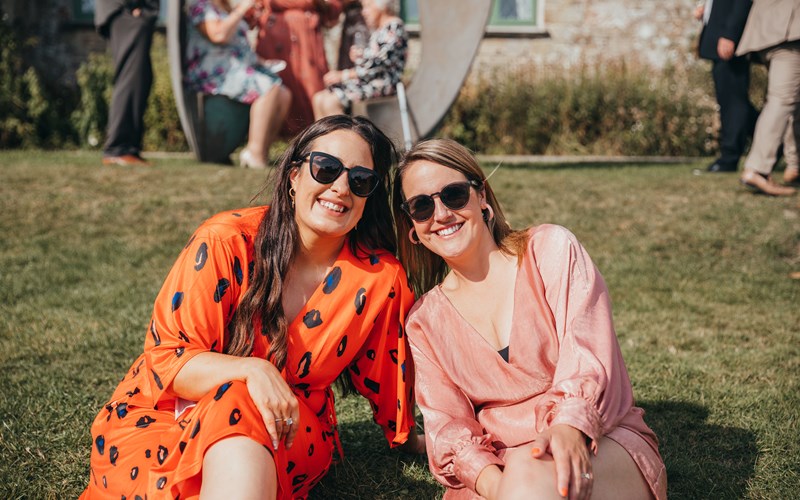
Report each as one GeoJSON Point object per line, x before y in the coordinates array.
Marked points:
{"type": "Point", "coordinates": [699, 271]}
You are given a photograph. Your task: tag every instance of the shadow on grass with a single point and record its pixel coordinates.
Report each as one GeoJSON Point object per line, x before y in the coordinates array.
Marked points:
{"type": "Point", "coordinates": [371, 469]}
{"type": "Point", "coordinates": [703, 460]}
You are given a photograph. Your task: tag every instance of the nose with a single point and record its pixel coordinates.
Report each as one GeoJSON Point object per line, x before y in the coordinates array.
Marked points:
{"type": "Point", "coordinates": [440, 210]}
{"type": "Point", "coordinates": [341, 185]}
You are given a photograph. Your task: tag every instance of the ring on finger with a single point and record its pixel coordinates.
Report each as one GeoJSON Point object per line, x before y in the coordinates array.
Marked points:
{"type": "Point", "coordinates": [586, 475]}
{"type": "Point", "coordinates": [289, 420]}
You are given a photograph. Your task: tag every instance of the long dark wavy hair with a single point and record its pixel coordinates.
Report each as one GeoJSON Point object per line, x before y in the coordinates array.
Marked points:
{"type": "Point", "coordinates": [277, 240]}
{"type": "Point", "coordinates": [426, 269]}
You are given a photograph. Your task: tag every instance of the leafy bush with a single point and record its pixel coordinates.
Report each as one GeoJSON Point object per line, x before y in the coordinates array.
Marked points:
{"type": "Point", "coordinates": [610, 109]}
{"type": "Point", "coordinates": [30, 114]}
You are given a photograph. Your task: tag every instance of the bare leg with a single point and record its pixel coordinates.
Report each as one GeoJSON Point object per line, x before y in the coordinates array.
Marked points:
{"type": "Point", "coordinates": [325, 103]}
{"type": "Point", "coordinates": [616, 475]}
{"type": "Point", "coordinates": [267, 114]}
{"type": "Point", "coordinates": [238, 467]}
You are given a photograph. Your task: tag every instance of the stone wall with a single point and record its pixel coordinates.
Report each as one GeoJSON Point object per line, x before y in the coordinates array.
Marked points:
{"type": "Point", "coordinates": [575, 32]}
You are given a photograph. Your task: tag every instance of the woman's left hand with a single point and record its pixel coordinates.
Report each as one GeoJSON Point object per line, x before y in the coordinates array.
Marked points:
{"type": "Point", "coordinates": [332, 77]}
{"type": "Point", "coordinates": [570, 453]}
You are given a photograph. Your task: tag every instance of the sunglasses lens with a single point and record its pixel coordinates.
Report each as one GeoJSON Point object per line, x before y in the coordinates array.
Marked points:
{"type": "Point", "coordinates": [455, 196]}
{"type": "Point", "coordinates": [421, 207]}
{"type": "Point", "coordinates": [325, 169]}
{"type": "Point", "coordinates": [363, 181]}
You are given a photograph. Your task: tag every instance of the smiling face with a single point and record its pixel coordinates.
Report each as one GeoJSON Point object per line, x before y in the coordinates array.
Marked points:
{"type": "Point", "coordinates": [330, 210]}
{"type": "Point", "coordinates": [451, 234]}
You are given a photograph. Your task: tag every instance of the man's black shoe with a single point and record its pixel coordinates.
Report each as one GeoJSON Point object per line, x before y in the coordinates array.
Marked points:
{"type": "Point", "coordinates": [717, 168]}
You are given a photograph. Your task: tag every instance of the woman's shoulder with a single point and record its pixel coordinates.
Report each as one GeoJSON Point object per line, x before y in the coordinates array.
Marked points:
{"type": "Point", "coordinates": [550, 237]}
{"type": "Point", "coordinates": [242, 222]}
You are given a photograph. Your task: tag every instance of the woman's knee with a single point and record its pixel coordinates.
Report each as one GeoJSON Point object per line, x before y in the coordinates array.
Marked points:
{"type": "Point", "coordinates": [238, 467]}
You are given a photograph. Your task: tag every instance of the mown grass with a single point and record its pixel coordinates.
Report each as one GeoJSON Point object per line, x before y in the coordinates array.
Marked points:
{"type": "Point", "coordinates": [699, 271]}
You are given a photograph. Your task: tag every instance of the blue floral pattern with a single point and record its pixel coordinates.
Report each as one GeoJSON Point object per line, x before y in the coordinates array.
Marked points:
{"type": "Point", "coordinates": [230, 69]}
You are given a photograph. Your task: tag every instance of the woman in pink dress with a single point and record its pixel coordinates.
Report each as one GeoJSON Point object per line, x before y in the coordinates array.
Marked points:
{"type": "Point", "coordinates": [520, 377]}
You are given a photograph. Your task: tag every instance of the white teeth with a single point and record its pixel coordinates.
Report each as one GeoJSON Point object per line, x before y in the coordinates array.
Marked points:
{"type": "Point", "coordinates": [449, 230]}
{"type": "Point", "coordinates": [332, 206]}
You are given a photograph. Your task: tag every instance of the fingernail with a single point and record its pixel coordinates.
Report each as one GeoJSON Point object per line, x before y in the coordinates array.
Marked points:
{"type": "Point", "coordinates": [535, 451]}
{"type": "Point", "coordinates": [275, 444]}
{"type": "Point", "coordinates": [563, 492]}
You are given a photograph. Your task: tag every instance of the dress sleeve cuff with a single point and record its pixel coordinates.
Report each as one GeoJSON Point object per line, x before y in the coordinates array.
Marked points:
{"type": "Point", "coordinates": [471, 457]}
{"type": "Point", "coordinates": [580, 414]}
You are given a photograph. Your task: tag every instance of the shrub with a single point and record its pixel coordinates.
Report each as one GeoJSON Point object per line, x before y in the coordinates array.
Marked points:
{"type": "Point", "coordinates": [604, 109]}
{"type": "Point", "coordinates": [30, 114]}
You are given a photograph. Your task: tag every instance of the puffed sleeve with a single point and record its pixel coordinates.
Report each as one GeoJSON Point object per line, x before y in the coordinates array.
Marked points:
{"type": "Point", "coordinates": [591, 389]}
{"type": "Point", "coordinates": [458, 446]}
{"type": "Point", "coordinates": [383, 370]}
{"type": "Point", "coordinates": [196, 302]}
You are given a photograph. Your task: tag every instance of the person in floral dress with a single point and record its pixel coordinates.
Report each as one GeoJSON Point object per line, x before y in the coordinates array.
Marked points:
{"type": "Point", "coordinates": [378, 67]}
{"type": "Point", "coordinates": [219, 61]}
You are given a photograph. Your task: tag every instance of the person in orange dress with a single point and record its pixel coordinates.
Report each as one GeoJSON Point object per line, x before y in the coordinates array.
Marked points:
{"type": "Point", "coordinates": [291, 30]}
{"type": "Point", "coordinates": [264, 309]}
{"type": "Point", "coordinates": [519, 375]}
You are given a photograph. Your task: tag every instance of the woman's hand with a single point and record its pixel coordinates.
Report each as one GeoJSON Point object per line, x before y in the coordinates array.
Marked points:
{"type": "Point", "coordinates": [274, 399]}
{"type": "Point", "coordinates": [568, 447]}
{"type": "Point", "coordinates": [333, 77]}
{"type": "Point", "coordinates": [415, 445]}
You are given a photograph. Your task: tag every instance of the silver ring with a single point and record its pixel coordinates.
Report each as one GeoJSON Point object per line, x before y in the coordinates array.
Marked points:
{"type": "Point", "coordinates": [289, 421]}
{"type": "Point", "coordinates": [586, 475]}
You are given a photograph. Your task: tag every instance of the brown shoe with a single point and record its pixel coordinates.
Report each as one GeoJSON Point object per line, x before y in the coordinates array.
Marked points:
{"type": "Point", "coordinates": [126, 161]}
{"type": "Point", "coordinates": [791, 175]}
{"type": "Point", "coordinates": [761, 183]}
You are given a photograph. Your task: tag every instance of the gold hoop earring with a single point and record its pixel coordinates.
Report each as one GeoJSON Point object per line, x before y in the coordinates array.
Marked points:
{"type": "Point", "coordinates": [292, 194]}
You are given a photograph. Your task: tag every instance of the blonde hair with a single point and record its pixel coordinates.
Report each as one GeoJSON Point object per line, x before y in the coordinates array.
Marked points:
{"type": "Point", "coordinates": [426, 269]}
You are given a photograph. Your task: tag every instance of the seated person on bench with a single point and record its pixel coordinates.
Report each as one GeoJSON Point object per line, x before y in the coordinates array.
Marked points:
{"type": "Point", "coordinates": [378, 66]}
{"type": "Point", "coordinates": [220, 62]}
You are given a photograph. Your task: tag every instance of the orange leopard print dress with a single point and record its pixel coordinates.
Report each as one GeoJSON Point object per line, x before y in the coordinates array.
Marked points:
{"type": "Point", "coordinates": [145, 442]}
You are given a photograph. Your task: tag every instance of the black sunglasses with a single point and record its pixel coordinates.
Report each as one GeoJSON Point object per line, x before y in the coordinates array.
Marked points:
{"type": "Point", "coordinates": [454, 196]}
{"type": "Point", "coordinates": [325, 169]}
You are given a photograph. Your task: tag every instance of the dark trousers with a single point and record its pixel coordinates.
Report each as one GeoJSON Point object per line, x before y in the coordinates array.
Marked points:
{"type": "Point", "coordinates": [737, 114]}
{"type": "Point", "coordinates": [130, 40]}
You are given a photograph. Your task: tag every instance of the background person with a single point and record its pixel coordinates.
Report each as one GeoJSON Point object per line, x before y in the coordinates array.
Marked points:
{"type": "Point", "coordinates": [377, 69]}
{"type": "Point", "coordinates": [354, 33]}
{"type": "Point", "coordinates": [263, 310]}
{"type": "Point", "coordinates": [128, 26]}
{"type": "Point", "coordinates": [773, 32]}
{"type": "Point", "coordinates": [292, 31]}
{"type": "Point", "coordinates": [520, 377]}
{"type": "Point", "coordinates": [723, 22]}
{"type": "Point", "coordinates": [220, 62]}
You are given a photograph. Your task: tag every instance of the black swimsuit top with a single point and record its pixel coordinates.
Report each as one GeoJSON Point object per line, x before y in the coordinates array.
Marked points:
{"type": "Point", "coordinates": [504, 353]}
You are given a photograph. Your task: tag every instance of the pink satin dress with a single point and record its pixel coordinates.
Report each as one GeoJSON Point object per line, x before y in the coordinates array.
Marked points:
{"type": "Point", "coordinates": [565, 367]}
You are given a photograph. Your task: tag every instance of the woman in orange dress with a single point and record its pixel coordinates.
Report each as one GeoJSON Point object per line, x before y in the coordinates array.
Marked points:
{"type": "Point", "coordinates": [291, 30]}
{"type": "Point", "coordinates": [520, 378]}
{"type": "Point", "coordinates": [264, 309]}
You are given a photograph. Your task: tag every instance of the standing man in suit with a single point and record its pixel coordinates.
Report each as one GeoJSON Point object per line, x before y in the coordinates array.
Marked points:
{"type": "Point", "coordinates": [773, 32]}
{"type": "Point", "coordinates": [723, 23]}
{"type": "Point", "coordinates": [128, 25]}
